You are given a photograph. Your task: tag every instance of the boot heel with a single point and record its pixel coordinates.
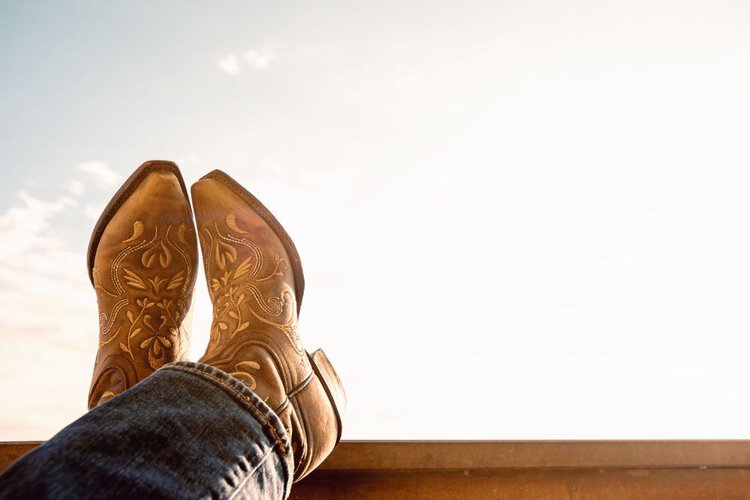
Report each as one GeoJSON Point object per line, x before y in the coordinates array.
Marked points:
{"type": "Point", "coordinates": [331, 383]}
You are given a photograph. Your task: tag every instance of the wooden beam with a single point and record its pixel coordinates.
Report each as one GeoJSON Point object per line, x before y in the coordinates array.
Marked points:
{"type": "Point", "coordinates": [420, 455]}
{"type": "Point", "coordinates": [520, 469]}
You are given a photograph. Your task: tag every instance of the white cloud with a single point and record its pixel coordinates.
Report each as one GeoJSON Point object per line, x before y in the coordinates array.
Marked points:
{"type": "Point", "coordinates": [255, 59]}
{"type": "Point", "coordinates": [229, 64]}
{"type": "Point", "coordinates": [21, 227]}
{"type": "Point", "coordinates": [259, 59]}
{"type": "Point", "coordinates": [104, 176]}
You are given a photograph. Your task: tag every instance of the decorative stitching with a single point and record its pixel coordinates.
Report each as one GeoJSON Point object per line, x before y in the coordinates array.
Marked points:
{"type": "Point", "coordinates": [186, 257]}
{"type": "Point", "coordinates": [153, 331]}
{"type": "Point", "coordinates": [125, 253]}
{"type": "Point", "coordinates": [275, 225]}
{"type": "Point", "coordinates": [105, 329]}
{"type": "Point", "coordinates": [228, 311]}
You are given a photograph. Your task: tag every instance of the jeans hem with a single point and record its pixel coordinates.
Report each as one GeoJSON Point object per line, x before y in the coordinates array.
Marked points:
{"type": "Point", "coordinates": [247, 399]}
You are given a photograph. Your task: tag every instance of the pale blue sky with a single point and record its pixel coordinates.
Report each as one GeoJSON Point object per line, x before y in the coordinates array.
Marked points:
{"type": "Point", "coordinates": [531, 213]}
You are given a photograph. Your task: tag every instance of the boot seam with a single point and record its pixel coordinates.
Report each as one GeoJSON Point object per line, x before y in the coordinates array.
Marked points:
{"type": "Point", "coordinates": [301, 387]}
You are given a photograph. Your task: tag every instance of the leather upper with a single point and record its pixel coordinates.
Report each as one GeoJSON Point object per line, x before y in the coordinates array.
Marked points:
{"type": "Point", "coordinates": [144, 267]}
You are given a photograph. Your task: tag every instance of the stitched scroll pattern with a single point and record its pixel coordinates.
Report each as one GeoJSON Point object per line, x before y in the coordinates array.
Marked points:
{"type": "Point", "coordinates": [247, 287]}
{"type": "Point", "coordinates": [142, 302]}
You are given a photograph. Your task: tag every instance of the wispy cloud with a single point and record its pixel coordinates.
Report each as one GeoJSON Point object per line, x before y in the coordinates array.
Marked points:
{"type": "Point", "coordinates": [49, 312]}
{"type": "Point", "coordinates": [254, 59]}
{"type": "Point", "coordinates": [104, 176]}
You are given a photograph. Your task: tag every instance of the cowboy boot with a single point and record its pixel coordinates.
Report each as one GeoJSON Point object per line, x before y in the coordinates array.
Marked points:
{"type": "Point", "coordinates": [142, 259]}
{"type": "Point", "coordinates": [255, 281]}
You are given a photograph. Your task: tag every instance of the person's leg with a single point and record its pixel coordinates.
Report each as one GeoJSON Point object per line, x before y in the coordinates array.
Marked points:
{"type": "Point", "coordinates": [187, 431]}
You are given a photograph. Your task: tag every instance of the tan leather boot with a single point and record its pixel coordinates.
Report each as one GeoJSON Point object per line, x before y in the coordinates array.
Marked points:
{"type": "Point", "coordinates": [142, 260]}
{"type": "Point", "coordinates": [255, 281]}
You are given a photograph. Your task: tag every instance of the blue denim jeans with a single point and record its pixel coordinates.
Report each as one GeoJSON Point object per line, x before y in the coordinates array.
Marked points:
{"type": "Point", "coordinates": [187, 431]}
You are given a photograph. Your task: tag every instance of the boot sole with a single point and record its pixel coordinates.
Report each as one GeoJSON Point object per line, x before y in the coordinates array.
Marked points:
{"type": "Point", "coordinates": [278, 229]}
{"type": "Point", "coordinates": [128, 187]}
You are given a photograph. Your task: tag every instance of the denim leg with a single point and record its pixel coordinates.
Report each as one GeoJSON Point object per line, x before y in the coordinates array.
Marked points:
{"type": "Point", "coordinates": [187, 431]}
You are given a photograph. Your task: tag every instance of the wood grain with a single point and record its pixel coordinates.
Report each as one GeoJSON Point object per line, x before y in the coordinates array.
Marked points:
{"type": "Point", "coordinates": [521, 469]}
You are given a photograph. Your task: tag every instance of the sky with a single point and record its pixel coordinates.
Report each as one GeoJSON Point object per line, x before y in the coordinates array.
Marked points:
{"type": "Point", "coordinates": [517, 220]}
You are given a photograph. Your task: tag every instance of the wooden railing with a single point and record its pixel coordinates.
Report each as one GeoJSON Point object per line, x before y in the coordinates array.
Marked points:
{"type": "Point", "coordinates": [522, 469]}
